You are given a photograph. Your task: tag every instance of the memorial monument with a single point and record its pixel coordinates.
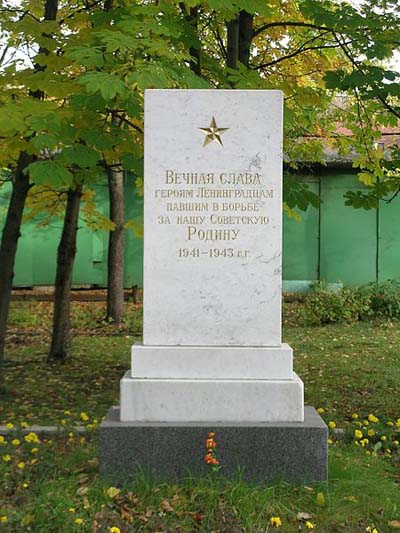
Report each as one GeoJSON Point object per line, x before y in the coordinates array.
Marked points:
{"type": "Point", "coordinates": [212, 357]}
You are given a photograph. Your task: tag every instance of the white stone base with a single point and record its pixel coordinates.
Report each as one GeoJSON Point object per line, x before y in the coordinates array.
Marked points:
{"type": "Point", "coordinates": [201, 400]}
{"type": "Point", "coordinates": [212, 362]}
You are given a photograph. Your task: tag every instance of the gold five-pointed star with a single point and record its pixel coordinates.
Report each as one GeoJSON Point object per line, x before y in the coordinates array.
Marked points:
{"type": "Point", "coordinates": [213, 133]}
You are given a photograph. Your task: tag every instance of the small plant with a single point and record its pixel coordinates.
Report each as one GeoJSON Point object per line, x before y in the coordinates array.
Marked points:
{"type": "Point", "coordinates": [211, 457]}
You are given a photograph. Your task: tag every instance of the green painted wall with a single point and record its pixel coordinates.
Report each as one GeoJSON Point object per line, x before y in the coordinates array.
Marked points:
{"type": "Point", "coordinates": [300, 242]}
{"type": "Point", "coordinates": [335, 242]}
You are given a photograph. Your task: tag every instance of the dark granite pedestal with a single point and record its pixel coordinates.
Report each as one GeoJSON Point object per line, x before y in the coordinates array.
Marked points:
{"type": "Point", "coordinates": [261, 452]}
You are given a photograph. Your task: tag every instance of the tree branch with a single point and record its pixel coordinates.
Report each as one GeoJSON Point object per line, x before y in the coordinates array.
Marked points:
{"type": "Point", "coordinates": [389, 200]}
{"type": "Point", "coordinates": [357, 66]}
{"type": "Point", "coordinates": [264, 27]}
{"type": "Point", "coordinates": [294, 53]}
{"type": "Point", "coordinates": [122, 118]}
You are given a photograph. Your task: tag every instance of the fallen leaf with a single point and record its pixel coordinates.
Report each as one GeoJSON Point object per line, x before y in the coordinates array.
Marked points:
{"type": "Point", "coordinates": [350, 499]}
{"type": "Point", "coordinates": [320, 499]}
{"type": "Point", "coordinates": [304, 516]}
{"type": "Point", "coordinates": [394, 524]}
{"type": "Point", "coordinates": [166, 506]}
{"type": "Point", "coordinates": [112, 492]}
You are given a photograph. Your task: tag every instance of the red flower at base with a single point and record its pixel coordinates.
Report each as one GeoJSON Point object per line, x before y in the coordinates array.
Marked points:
{"type": "Point", "coordinates": [210, 460]}
{"type": "Point", "coordinates": [210, 443]}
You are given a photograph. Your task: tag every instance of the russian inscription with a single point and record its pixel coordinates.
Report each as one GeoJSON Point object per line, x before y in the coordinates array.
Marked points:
{"type": "Point", "coordinates": [249, 184]}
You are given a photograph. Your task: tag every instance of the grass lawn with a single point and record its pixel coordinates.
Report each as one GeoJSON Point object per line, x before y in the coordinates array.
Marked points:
{"type": "Point", "coordinates": [54, 486]}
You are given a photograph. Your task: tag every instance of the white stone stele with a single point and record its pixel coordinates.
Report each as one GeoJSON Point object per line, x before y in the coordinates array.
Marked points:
{"type": "Point", "coordinates": [212, 272]}
{"type": "Point", "coordinates": [200, 299]}
{"type": "Point", "coordinates": [211, 362]}
{"type": "Point", "coordinates": [199, 400]}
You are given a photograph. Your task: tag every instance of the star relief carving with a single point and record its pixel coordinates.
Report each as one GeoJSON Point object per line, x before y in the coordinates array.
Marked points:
{"type": "Point", "coordinates": [213, 133]}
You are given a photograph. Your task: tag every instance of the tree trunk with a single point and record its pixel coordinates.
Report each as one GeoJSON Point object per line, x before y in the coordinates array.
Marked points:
{"type": "Point", "coordinates": [9, 242]}
{"type": "Point", "coordinates": [12, 226]}
{"type": "Point", "coordinates": [60, 349]}
{"type": "Point", "coordinates": [232, 48]}
{"type": "Point", "coordinates": [245, 37]}
{"type": "Point", "coordinates": [193, 19]}
{"type": "Point", "coordinates": [115, 259]}
{"type": "Point", "coordinates": [115, 265]}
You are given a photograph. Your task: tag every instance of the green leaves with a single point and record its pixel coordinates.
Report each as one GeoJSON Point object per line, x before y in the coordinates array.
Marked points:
{"type": "Point", "coordinates": [50, 173]}
{"type": "Point", "coordinates": [361, 200]}
{"type": "Point", "coordinates": [132, 163]}
{"type": "Point", "coordinates": [88, 56]}
{"type": "Point", "coordinates": [79, 155]}
{"type": "Point", "coordinates": [65, 167]}
{"type": "Point", "coordinates": [118, 41]}
{"type": "Point", "coordinates": [297, 194]}
{"type": "Point", "coordinates": [107, 84]}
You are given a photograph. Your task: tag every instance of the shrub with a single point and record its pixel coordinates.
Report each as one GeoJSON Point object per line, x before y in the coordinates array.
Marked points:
{"type": "Point", "coordinates": [325, 306]}
{"type": "Point", "coordinates": [384, 299]}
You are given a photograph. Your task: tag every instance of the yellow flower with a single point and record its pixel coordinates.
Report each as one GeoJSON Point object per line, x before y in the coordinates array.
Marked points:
{"type": "Point", "coordinates": [84, 417]}
{"type": "Point", "coordinates": [34, 450]}
{"type": "Point", "coordinates": [25, 485]}
{"type": "Point", "coordinates": [354, 416]}
{"type": "Point", "coordinates": [9, 425]}
{"type": "Point", "coordinates": [275, 521]}
{"type": "Point", "coordinates": [383, 438]}
{"type": "Point", "coordinates": [114, 529]}
{"type": "Point", "coordinates": [398, 422]}
{"type": "Point", "coordinates": [112, 492]}
{"type": "Point", "coordinates": [330, 441]}
{"type": "Point", "coordinates": [15, 442]}
{"type": "Point", "coordinates": [390, 424]}
{"type": "Point", "coordinates": [67, 413]}
{"type": "Point", "coordinates": [24, 424]}
{"type": "Point", "coordinates": [358, 434]}
{"type": "Point", "coordinates": [32, 438]}
{"type": "Point", "coordinates": [33, 461]}
{"type": "Point", "coordinates": [366, 422]}
{"type": "Point", "coordinates": [71, 510]}
{"type": "Point", "coordinates": [395, 443]}
{"type": "Point", "coordinates": [320, 410]}
{"type": "Point", "coordinates": [63, 422]}
{"type": "Point", "coordinates": [3, 441]}
{"type": "Point", "coordinates": [373, 418]}
{"type": "Point", "coordinates": [309, 525]}
{"type": "Point", "coordinates": [3, 519]}
{"type": "Point", "coordinates": [21, 465]}
{"type": "Point", "coordinates": [371, 432]}
{"type": "Point", "coordinates": [364, 442]}
{"type": "Point", "coordinates": [332, 424]}
{"type": "Point", "coordinates": [6, 458]}
{"type": "Point", "coordinates": [371, 529]}
{"type": "Point", "coordinates": [79, 521]}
